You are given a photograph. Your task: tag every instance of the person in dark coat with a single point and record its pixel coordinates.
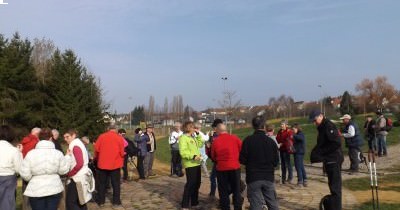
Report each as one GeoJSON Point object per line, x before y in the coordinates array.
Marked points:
{"type": "Point", "coordinates": [300, 147]}
{"type": "Point", "coordinates": [328, 150]}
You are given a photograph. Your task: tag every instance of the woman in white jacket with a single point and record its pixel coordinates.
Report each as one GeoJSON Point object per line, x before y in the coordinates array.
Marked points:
{"type": "Point", "coordinates": [42, 167]}
{"type": "Point", "coordinates": [78, 173]}
{"type": "Point", "coordinates": [10, 163]}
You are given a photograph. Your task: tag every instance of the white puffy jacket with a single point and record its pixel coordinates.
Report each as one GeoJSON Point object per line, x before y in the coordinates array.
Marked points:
{"type": "Point", "coordinates": [42, 167]}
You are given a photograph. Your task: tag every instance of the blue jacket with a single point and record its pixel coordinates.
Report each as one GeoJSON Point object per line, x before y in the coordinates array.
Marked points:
{"type": "Point", "coordinates": [141, 144]}
{"type": "Point", "coordinates": [357, 139]}
{"type": "Point", "coordinates": [299, 143]}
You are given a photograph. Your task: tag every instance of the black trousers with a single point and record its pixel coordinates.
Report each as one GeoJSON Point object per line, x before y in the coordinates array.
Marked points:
{"type": "Point", "coordinates": [139, 165]}
{"type": "Point", "coordinates": [125, 168]}
{"type": "Point", "coordinates": [229, 182]}
{"type": "Point", "coordinates": [72, 200]}
{"type": "Point", "coordinates": [176, 162]}
{"type": "Point", "coordinates": [334, 201]}
{"type": "Point", "coordinates": [114, 176]}
{"type": "Point", "coordinates": [191, 192]}
{"type": "Point", "coordinates": [354, 158]}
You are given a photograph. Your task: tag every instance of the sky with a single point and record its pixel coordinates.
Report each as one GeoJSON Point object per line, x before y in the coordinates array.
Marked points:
{"type": "Point", "coordinates": [165, 48]}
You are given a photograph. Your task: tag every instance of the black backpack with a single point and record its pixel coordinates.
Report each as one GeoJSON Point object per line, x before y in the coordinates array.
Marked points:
{"type": "Point", "coordinates": [131, 150]}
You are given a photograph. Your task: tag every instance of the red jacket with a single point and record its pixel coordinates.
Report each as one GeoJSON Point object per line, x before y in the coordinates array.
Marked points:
{"type": "Point", "coordinates": [109, 151]}
{"type": "Point", "coordinates": [29, 142]}
{"type": "Point", "coordinates": [225, 152]}
{"type": "Point", "coordinates": [283, 137]}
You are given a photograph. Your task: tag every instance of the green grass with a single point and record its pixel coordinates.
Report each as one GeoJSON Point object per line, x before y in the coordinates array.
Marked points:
{"type": "Point", "coordinates": [362, 184]}
{"type": "Point", "coordinates": [309, 130]}
{"type": "Point", "coordinates": [385, 206]}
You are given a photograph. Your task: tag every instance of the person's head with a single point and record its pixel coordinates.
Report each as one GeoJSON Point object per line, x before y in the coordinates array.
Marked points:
{"type": "Point", "coordinates": [55, 134]}
{"type": "Point", "coordinates": [284, 124]}
{"type": "Point", "coordinates": [7, 133]}
{"type": "Point", "coordinates": [70, 135]}
{"type": "Point", "coordinates": [177, 126]}
{"type": "Point", "coordinates": [369, 118]}
{"type": "Point", "coordinates": [138, 130]}
{"type": "Point", "coordinates": [316, 117]}
{"type": "Point", "coordinates": [112, 127]}
{"type": "Point", "coordinates": [346, 119]}
{"type": "Point", "coordinates": [216, 122]}
{"type": "Point", "coordinates": [85, 140]}
{"type": "Point", "coordinates": [149, 128]}
{"type": "Point", "coordinates": [221, 128]}
{"type": "Point", "coordinates": [122, 132]}
{"type": "Point", "coordinates": [188, 127]}
{"type": "Point", "coordinates": [45, 134]}
{"type": "Point", "coordinates": [35, 131]}
{"type": "Point", "coordinates": [258, 123]}
{"type": "Point", "coordinates": [270, 128]}
{"type": "Point", "coordinates": [197, 126]}
{"type": "Point", "coordinates": [296, 128]}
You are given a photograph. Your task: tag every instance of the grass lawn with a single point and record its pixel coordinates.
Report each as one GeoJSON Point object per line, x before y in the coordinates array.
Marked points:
{"type": "Point", "coordinates": [385, 206]}
{"type": "Point", "coordinates": [309, 130]}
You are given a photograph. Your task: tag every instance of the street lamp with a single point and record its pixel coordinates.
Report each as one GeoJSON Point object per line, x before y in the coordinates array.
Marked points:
{"type": "Point", "coordinates": [130, 114]}
{"type": "Point", "coordinates": [226, 114]}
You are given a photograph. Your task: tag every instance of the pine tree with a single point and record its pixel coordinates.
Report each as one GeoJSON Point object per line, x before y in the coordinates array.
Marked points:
{"type": "Point", "coordinates": [346, 106]}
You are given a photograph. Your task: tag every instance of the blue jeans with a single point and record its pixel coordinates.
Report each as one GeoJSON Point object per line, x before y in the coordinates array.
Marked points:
{"type": "Point", "coordinates": [45, 203]}
{"type": "Point", "coordinates": [213, 180]}
{"type": "Point", "coordinates": [301, 172]}
{"type": "Point", "coordinates": [260, 193]}
{"type": "Point", "coordinates": [286, 165]}
{"type": "Point", "coordinates": [381, 144]}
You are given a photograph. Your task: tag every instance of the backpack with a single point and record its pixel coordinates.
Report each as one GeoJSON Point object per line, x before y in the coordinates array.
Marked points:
{"type": "Point", "coordinates": [389, 124]}
{"type": "Point", "coordinates": [131, 149]}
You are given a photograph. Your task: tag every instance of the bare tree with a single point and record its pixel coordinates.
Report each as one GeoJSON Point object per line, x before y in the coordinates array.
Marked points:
{"type": "Point", "coordinates": [230, 104]}
{"type": "Point", "coordinates": [378, 93]}
{"type": "Point", "coordinates": [42, 51]}
{"type": "Point", "coordinates": [150, 110]}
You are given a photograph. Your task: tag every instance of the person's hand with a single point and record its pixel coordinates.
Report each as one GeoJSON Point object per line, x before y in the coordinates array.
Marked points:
{"type": "Point", "coordinates": [20, 147]}
{"type": "Point", "coordinates": [197, 157]}
{"type": "Point", "coordinates": [68, 152]}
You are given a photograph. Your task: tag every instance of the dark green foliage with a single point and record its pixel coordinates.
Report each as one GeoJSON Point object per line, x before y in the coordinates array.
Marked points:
{"type": "Point", "coordinates": [138, 115]}
{"type": "Point", "coordinates": [68, 96]}
{"type": "Point", "coordinates": [346, 105]}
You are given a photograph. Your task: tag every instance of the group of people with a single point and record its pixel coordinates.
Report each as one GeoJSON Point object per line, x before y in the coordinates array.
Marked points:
{"type": "Point", "coordinates": [40, 161]}
{"type": "Point", "coordinates": [258, 153]}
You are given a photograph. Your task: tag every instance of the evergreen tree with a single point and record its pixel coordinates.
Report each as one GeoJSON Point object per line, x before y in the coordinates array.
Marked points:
{"type": "Point", "coordinates": [75, 98]}
{"type": "Point", "coordinates": [346, 106]}
{"type": "Point", "coordinates": [20, 105]}
{"type": "Point", "coordinates": [138, 115]}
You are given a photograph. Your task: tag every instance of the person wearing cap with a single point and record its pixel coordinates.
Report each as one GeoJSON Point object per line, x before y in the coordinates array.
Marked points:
{"type": "Point", "coordinates": [213, 175]}
{"type": "Point", "coordinates": [285, 139]}
{"type": "Point", "coordinates": [328, 150]}
{"type": "Point", "coordinates": [109, 153]}
{"type": "Point", "coordinates": [381, 133]}
{"type": "Point", "coordinates": [353, 141]}
{"type": "Point", "coordinates": [151, 148]}
{"type": "Point", "coordinates": [176, 162]}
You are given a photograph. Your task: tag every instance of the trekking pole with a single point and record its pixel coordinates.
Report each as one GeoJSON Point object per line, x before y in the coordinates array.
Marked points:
{"type": "Point", "coordinates": [370, 153]}
{"type": "Point", "coordinates": [376, 181]}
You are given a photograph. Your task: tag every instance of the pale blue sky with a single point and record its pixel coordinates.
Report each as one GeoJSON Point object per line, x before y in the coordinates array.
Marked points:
{"type": "Point", "coordinates": [265, 48]}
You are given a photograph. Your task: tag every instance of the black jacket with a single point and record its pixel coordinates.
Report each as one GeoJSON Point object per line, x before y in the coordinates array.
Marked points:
{"type": "Point", "coordinates": [259, 154]}
{"type": "Point", "coordinates": [328, 148]}
{"type": "Point", "coordinates": [147, 137]}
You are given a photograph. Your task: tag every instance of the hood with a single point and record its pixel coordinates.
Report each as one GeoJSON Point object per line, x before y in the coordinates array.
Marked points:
{"type": "Point", "coordinates": [45, 144]}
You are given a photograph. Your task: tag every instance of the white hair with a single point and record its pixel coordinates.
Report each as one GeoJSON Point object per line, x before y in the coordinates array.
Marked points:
{"type": "Point", "coordinates": [35, 130]}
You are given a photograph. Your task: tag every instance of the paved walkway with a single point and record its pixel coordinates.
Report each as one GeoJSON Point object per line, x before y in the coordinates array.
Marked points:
{"type": "Point", "coordinates": [164, 192]}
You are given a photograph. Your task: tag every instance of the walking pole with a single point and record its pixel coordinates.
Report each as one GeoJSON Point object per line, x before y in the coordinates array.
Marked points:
{"type": "Point", "coordinates": [376, 181]}
{"type": "Point", "coordinates": [371, 153]}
